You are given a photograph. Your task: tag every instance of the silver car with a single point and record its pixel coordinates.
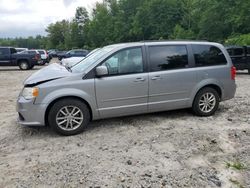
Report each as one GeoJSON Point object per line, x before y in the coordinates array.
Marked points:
{"type": "Point", "coordinates": [128, 79]}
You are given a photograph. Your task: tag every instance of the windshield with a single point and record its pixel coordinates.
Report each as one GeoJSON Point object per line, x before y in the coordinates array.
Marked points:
{"type": "Point", "coordinates": [89, 60]}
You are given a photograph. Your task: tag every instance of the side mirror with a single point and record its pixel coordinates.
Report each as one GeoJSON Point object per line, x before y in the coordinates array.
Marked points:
{"type": "Point", "coordinates": [101, 71]}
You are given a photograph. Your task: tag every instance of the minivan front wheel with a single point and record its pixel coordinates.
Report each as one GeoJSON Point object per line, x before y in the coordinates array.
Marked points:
{"type": "Point", "coordinates": [69, 116]}
{"type": "Point", "coordinates": [206, 102]}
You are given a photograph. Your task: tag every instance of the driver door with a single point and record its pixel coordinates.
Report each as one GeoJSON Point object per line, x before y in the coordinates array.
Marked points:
{"type": "Point", "coordinates": [124, 91]}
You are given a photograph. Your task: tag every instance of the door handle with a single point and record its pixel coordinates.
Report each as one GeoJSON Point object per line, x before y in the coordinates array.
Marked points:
{"type": "Point", "coordinates": [156, 78]}
{"type": "Point", "coordinates": [139, 80]}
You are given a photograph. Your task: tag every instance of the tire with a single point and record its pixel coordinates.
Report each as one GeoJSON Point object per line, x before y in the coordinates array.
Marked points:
{"type": "Point", "coordinates": [63, 122]}
{"type": "Point", "coordinates": [24, 65]}
{"type": "Point", "coordinates": [248, 71]}
{"type": "Point", "coordinates": [201, 108]}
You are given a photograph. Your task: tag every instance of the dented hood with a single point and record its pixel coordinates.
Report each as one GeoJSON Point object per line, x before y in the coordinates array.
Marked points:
{"type": "Point", "coordinates": [51, 72]}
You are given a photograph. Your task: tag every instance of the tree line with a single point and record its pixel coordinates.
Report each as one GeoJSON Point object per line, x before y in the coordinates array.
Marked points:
{"type": "Point", "coordinates": [115, 21]}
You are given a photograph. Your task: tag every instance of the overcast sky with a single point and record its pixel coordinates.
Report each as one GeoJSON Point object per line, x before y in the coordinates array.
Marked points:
{"type": "Point", "coordinates": [22, 18]}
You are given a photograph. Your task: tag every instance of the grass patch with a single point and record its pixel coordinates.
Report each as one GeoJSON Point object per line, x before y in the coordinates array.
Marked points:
{"type": "Point", "coordinates": [236, 183]}
{"type": "Point", "coordinates": [235, 165]}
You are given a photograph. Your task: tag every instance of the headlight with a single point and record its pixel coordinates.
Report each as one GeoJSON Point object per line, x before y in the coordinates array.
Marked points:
{"type": "Point", "coordinates": [30, 92]}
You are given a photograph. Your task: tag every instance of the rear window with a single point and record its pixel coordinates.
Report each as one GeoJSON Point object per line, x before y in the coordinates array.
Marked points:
{"type": "Point", "coordinates": [168, 57]}
{"type": "Point", "coordinates": [41, 52]}
{"type": "Point", "coordinates": [208, 55]}
{"type": "Point", "coordinates": [32, 52]}
{"type": "Point", "coordinates": [4, 51]}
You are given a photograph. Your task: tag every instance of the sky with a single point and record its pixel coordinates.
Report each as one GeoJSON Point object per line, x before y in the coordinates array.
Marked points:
{"type": "Point", "coordinates": [23, 18]}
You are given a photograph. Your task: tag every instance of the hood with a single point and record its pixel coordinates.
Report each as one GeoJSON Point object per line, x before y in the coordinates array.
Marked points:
{"type": "Point", "coordinates": [51, 72]}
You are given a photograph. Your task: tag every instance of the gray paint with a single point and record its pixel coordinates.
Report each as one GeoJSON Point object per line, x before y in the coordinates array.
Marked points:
{"type": "Point", "coordinates": [131, 94]}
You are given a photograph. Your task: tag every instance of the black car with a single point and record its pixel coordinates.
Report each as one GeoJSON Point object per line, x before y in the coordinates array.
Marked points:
{"type": "Point", "coordinates": [10, 57]}
{"type": "Point", "coordinates": [73, 53]}
{"type": "Point", "coordinates": [240, 56]}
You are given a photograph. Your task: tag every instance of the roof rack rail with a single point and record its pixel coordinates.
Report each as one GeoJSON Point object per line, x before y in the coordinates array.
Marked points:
{"type": "Point", "coordinates": [174, 40]}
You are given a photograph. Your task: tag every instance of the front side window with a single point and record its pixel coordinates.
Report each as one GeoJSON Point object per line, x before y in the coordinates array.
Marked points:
{"type": "Point", "coordinates": [168, 57]}
{"type": "Point", "coordinates": [207, 55]}
{"type": "Point", "coordinates": [125, 62]}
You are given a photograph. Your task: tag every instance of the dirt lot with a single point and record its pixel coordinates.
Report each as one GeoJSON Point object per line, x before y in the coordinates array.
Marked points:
{"type": "Point", "coordinates": [169, 149]}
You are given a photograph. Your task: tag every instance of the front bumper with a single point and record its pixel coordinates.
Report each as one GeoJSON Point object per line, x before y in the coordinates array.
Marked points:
{"type": "Point", "coordinates": [30, 114]}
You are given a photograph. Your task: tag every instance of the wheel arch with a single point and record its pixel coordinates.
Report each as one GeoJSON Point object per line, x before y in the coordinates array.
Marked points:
{"type": "Point", "coordinates": [66, 97]}
{"type": "Point", "coordinates": [214, 86]}
{"type": "Point", "coordinates": [22, 59]}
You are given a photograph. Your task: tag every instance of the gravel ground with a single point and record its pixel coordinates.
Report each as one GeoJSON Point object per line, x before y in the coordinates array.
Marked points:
{"type": "Point", "coordinates": [168, 149]}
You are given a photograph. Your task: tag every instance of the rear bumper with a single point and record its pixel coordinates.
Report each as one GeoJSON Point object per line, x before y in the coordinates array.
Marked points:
{"type": "Point", "coordinates": [229, 92]}
{"type": "Point", "coordinates": [30, 114]}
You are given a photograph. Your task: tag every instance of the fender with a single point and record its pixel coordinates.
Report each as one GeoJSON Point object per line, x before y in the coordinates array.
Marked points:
{"type": "Point", "coordinates": [71, 92]}
{"type": "Point", "coordinates": [204, 83]}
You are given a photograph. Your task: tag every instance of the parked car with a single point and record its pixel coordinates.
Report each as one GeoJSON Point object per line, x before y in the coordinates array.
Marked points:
{"type": "Point", "coordinates": [21, 49]}
{"type": "Point", "coordinates": [34, 53]}
{"type": "Point", "coordinates": [44, 56]}
{"type": "Point", "coordinates": [52, 53]}
{"type": "Point", "coordinates": [128, 79]}
{"type": "Point", "coordinates": [240, 56]}
{"type": "Point", "coordinates": [10, 57]}
{"type": "Point", "coordinates": [73, 53]}
{"type": "Point", "coordinates": [71, 61]}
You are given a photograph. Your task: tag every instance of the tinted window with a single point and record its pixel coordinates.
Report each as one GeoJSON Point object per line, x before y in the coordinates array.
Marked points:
{"type": "Point", "coordinates": [13, 51]}
{"type": "Point", "coordinates": [125, 62]}
{"type": "Point", "coordinates": [230, 51]}
{"type": "Point", "coordinates": [4, 51]}
{"type": "Point", "coordinates": [207, 55]}
{"type": "Point", "coordinates": [168, 57]}
{"type": "Point", "coordinates": [248, 50]}
{"type": "Point", "coordinates": [238, 51]}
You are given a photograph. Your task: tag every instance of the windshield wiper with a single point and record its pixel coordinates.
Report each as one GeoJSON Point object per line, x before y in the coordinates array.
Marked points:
{"type": "Point", "coordinates": [68, 68]}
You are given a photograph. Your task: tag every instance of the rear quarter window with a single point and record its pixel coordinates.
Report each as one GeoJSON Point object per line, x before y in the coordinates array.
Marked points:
{"type": "Point", "coordinates": [208, 55]}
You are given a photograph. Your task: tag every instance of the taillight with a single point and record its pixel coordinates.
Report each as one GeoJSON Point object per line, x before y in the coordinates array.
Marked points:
{"type": "Point", "coordinates": [233, 73]}
{"type": "Point", "coordinates": [37, 57]}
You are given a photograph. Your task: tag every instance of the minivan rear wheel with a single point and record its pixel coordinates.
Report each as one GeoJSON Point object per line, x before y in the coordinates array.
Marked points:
{"type": "Point", "coordinates": [206, 102]}
{"type": "Point", "coordinates": [69, 116]}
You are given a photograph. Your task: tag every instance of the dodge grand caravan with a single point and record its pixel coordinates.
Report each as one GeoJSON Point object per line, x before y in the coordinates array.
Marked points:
{"type": "Point", "coordinates": [127, 79]}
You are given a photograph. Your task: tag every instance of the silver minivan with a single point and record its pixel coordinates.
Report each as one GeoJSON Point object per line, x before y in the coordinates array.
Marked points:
{"type": "Point", "coordinates": [128, 79]}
